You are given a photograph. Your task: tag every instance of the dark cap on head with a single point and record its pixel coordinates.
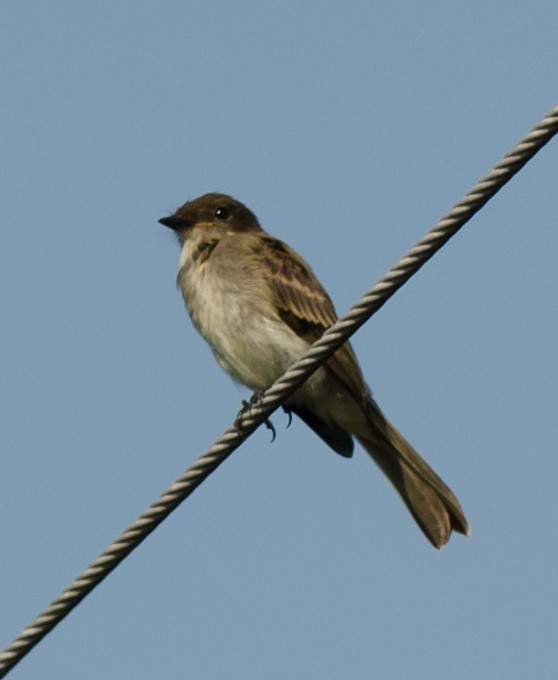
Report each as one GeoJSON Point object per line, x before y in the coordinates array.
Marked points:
{"type": "Point", "coordinates": [215, 210]}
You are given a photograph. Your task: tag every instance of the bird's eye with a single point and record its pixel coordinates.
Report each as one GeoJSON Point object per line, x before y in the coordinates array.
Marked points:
{"type": "Point", "coordinates": [222, 213]}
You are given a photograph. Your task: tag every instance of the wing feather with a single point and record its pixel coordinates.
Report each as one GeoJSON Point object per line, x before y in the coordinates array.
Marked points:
{"type": "Point", "coordinates": [303, 304]}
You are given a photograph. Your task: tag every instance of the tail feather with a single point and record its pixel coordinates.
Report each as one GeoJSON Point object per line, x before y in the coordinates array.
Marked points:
{"type": "Point", "coordinates": [433, 505]}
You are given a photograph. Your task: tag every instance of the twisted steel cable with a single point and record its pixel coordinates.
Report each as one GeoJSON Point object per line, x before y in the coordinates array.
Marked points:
{"type": "Point", "coordinates": [332, 339]}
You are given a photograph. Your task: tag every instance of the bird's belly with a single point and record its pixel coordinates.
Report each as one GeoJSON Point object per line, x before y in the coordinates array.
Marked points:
{"type": "Point", "coordinates": [248, 339]}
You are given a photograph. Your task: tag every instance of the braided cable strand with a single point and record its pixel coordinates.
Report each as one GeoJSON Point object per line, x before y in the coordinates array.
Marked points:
{"type": "Point", "coordinates": [332, 339]}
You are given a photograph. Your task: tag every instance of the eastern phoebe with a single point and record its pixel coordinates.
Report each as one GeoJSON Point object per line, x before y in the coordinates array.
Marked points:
{"type": "Point", "coordinates": [260, 307]}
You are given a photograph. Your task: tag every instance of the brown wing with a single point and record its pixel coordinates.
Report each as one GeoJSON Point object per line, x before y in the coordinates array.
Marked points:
{"type": "Point", "coordinates": [306, 308]}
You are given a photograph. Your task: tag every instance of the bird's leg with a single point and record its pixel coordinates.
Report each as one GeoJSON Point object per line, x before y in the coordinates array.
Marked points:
{"type": "Point", "coordinates": [255, 400]}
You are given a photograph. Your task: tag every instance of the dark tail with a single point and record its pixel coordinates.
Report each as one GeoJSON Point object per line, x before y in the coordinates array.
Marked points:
{"type": "Point", "coordinates": [433, 505]}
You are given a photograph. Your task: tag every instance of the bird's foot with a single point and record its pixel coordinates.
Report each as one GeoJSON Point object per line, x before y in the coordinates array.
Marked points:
{"type": "Point", "coordinates": [255, 400]}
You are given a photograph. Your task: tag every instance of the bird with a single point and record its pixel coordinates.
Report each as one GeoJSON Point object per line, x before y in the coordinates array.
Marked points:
{"type": "Point", "coordinates": [260, 306]}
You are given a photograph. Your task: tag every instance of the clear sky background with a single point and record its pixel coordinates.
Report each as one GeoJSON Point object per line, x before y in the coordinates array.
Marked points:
{"type": "Point", "coordinates": [349, 129]}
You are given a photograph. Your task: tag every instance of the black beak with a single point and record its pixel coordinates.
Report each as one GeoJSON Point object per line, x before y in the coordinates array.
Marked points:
{"type": "Point", "coordinates": [175, 222]}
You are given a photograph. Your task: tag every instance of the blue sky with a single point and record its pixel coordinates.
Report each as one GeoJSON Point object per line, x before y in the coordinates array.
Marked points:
{"type": "Point", "coordinates": [348, 129]}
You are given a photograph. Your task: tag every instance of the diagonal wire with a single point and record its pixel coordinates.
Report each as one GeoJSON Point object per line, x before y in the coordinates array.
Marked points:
{"type": "Point", "coordinates": [332, 339]}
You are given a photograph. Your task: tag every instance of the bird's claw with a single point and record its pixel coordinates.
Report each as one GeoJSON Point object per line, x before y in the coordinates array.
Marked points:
{"type": "Point", "coordinates": [270, 426]}
{"type": "Point", "coordinates": [289, 414]}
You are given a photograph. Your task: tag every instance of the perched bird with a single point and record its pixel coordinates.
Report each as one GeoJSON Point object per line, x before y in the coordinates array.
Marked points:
{"type": "Point", "coordinates": [260, 307]}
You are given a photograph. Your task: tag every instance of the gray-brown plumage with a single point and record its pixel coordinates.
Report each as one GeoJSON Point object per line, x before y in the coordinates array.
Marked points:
{"type": "Point", "coordinates": [260, 306]}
